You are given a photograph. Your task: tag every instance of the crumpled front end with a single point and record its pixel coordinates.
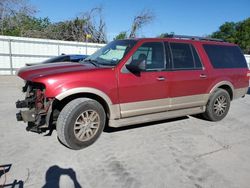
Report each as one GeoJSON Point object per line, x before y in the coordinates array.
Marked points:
{"type": "Point", "coordinates": [36, 107]}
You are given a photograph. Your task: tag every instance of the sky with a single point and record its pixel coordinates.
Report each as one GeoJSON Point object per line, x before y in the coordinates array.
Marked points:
{"type": "Point", "coordinates": [185, 17]}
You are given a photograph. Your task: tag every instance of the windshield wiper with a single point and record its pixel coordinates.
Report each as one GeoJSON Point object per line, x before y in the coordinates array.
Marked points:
{"type": "Point", "coordinates": [108, 64]}
{"type": "Point", "coordinates": [92, 61]}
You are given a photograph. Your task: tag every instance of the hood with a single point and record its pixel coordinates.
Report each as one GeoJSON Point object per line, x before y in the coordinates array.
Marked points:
{"type": "Point", "coordinates": [42, 70]}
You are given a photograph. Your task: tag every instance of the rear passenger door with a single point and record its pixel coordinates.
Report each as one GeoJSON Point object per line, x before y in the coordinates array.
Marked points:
{"type": "Point", "coordinates": [187, 78]}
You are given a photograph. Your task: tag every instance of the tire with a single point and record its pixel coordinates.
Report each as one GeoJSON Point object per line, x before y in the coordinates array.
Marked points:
{"type": "Point", "coordinates": [217, 106]}
{"type": "Point", "coordinates": [80, 123]}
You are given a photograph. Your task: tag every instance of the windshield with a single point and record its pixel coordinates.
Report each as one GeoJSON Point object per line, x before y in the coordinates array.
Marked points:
{"type": "Point", "coordinates": [112, 53]}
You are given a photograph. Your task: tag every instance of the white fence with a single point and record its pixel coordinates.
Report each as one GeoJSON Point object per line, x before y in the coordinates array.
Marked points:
{"type": "Point", "coordinates": [248, 60]}
{"type": "Point", "coordinates": [15, 52]}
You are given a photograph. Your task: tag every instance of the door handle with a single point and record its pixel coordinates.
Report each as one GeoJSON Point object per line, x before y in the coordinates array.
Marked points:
{"type": "Point", "coordinates": [203, 76]}
{"type": "Point", "coordinates": [160, 78]}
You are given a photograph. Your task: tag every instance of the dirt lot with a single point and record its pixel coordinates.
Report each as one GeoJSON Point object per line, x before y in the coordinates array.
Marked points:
{"type": "Point", "coordinates": [183, 152]}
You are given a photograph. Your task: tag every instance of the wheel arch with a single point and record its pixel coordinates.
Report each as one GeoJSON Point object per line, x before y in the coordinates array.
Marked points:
{"type": "Point", "coordinates": [226, 85]}
{"type": "Point", "coordinates": [92, 93]}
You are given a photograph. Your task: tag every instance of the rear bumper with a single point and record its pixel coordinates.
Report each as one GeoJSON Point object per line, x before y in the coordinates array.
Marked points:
{"type": "Point", "coordinates": [240, 92]}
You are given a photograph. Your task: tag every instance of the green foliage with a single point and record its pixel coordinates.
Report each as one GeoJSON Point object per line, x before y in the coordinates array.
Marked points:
{"type": "Point", "coordinates": [18, 21]}
{"type": "Point", "coordinates": [23, 25]}
{"type": "Point", "coordinates": [164, 35]}
{"type": "Point", "coordinates": [238, 33]}
{"type": "Point", "coordinates": [227, 31]}
{"type": "Point", "coordinates": [121, 35]}
{"type": "Point", "coordinates": [71, 30]}
{"type": "Point", "coordinates": [243, 35]}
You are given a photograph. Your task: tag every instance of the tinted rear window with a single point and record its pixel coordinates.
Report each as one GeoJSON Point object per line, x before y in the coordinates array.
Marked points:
{"type": "Point", "coordinates": [182, 56]}
{"type": "Point", "coordinates": [185, 57]}
{"type": "Point", "coordinates": [225, 56]}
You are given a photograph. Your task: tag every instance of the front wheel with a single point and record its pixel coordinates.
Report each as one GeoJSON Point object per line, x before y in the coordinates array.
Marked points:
{"type": "Point", "coordinates": [217, 106]}
{"type": "Point", "coordinates": [80, 123]}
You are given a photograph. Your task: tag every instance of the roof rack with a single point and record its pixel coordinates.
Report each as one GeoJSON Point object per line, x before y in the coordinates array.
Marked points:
{"type": "Point", "coordinates": [194, 38]}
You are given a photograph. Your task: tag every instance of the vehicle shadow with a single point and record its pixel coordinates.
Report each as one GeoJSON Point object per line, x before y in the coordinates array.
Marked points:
{"type": "Point", "coordinates": [4, 169]}
{"type": "Point", "coordinates": [108, 129]}
{"type": "Point", "coordinates": [53, 174]}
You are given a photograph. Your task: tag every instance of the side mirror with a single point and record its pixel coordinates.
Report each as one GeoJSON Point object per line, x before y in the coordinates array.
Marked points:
{"type": "Point", "coordinates": [136, 67]}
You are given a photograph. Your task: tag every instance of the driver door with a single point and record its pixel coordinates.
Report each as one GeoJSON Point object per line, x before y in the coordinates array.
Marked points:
{"type": "Point", "coordinates": [146, 92]}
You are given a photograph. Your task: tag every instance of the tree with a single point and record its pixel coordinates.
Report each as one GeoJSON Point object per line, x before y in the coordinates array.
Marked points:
{"type": "Point", "coordinates": [243, 35]}
{"type": "Point", "coordinates": [139, 21]}
{"type": "Point", "coordinates": [16, 19]}
{"type": "Point", "coordinates": [164, 35]}
{"type": "Point", "coordinates": [121, 35]}
{"type": "Point", "coordinates": [94, 28]}
{"type": "Point", "coordinates": [89, 27]}
{"type": "Point", "coordinates": [227, 31]}
{"type": "Point", "coordinates": [238, 33]}
{"type": "Point", "coordinates": [24, 26]}
{"type": "Point", "coordinates": [12, 8]}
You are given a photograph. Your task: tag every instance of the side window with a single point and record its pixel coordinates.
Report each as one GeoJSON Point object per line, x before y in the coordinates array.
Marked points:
{"type": "Point", "coordinates": [223, 56]}
{"type": "Point", "coordinates": [182, 56]}
{"type": "Point", "coordinates": [152, 53]}
{"type": "Point", "coordinates": [198, 64]}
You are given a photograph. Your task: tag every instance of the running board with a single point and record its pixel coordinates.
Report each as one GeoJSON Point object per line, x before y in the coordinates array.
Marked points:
{"type": "Point", "coordinates": [155, 117]}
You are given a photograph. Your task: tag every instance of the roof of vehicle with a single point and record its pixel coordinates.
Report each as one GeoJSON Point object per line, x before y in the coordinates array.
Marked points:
{"type": "Point", "coordinates": [185, 38]}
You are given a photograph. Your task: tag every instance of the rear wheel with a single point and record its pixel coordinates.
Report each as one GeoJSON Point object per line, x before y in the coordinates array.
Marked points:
{"type": "Point", "coordinates": [217, 106]}
{"type": "Point", "coordinates": [80, 123]}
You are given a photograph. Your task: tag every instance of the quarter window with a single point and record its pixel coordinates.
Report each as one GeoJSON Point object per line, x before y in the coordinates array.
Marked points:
{"type": "Point", "coordinates": [222, 56]}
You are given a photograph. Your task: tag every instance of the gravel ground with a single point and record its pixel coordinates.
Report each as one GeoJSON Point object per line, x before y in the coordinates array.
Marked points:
{"type": "Point", "coordinates": [182, 152]}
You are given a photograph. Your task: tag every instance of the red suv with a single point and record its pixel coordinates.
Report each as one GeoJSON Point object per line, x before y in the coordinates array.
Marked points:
{"type": "Point", "coordinates": [130, 82]}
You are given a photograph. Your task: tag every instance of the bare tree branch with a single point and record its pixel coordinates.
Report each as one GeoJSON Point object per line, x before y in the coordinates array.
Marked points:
{"type": "Point", "coordinates": [139, 21]}
{"type": "Point", "coordinates": [94, 25]}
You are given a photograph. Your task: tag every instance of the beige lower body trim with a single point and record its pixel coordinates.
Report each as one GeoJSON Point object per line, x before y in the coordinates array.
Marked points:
{"type": "Point", "coordinates": [155, 117]}
{"type": "Point", "coordinates": [238, 93]}
{"type": "Point", "coordinates": [114, 111]}
{"type": "Point", "coordinates": [189, 101]}
{"type": "Point", "coordinates": [144, 107]}
{"type": "Point", "coordinates": [160, 105]}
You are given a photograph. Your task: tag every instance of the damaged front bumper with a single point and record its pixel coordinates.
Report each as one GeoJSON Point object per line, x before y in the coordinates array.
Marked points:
{"type": "Point", "coordinates": [26, 115]}
{"type": "Point", "coordinates": [37, 108]}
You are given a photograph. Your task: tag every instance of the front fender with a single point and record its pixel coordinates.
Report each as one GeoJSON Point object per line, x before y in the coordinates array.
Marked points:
{"type": "Point", "coordinates": [114, 109]}
{"type": "Point", "coordinates": [84, 90]}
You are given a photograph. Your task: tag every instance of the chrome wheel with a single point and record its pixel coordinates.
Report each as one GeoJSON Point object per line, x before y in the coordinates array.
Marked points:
{"type": "Point", "coordinates": [86, 125]}
{"type": "Point", "coordinates": [220, 105]}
